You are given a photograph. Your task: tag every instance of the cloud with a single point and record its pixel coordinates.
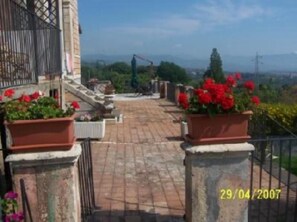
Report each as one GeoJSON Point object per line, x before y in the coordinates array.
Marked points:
{"type": "Point", "coordinates": [161, 27]}
{"type": "Point", "coordinates": [179, 24]}
{"type": "Point", "coordinates": [223, 12]}
{"type": "Point", "coordinates": [202, 16]}
{"type": "Point", "coordinates": [136, 30]}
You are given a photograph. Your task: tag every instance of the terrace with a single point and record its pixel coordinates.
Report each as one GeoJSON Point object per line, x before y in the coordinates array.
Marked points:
{"type": "Point", "coordinates": [139, 173]}
{"type": "Point", "coordinates": [138, 167]}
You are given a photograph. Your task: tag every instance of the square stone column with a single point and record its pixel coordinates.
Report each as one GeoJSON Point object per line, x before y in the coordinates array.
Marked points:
{"type": "Point", "coordinates": [51, 181]}
{"type": "Point", "coordinates": [217, 182]}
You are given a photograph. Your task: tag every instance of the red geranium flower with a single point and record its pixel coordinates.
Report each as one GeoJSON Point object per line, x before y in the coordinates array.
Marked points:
{"type": "Point", "coordinates": [35, 95]}
{"type": "Point", "coordinates": [185, 105]}
{"type": "Point", "coordinates": [75, 105]}
{"type": "Point", "coordinates": [237, 76]}
{"type": "Point", "coordinates": [230, 81]}
{"type": "Point", "coordinates": [183, 100]}
{"type": "Point", "coordinates": [11, 195]}
{"type": "Point", "coordinates": [256, 100]}
{"type": "Point", "coordinates": [228, 103]}
{"type": "Point", "coordinates": [25, 98]}
{"type": "Point", "coordinates": [182, 97]}
{"type": "Point", "coordinates": [204, 98]}
{"type": "Point", "coordinates": [218, 93]}
{"type": "Point", "coordinates": [9, 93]}
{"type": "Point", "coordinates": [208, 84]}
{"type": "Point", "coordinates": [219, 98]}
{"type": "Point", "coordinates": [14, 217]}
{"type": "Point", "coordinates": [250, 85]}
{"type": "Point", "coordinates": [198, 91]}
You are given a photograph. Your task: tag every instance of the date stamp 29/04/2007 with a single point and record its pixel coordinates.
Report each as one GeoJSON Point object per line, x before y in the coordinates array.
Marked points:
{"type": "Point", "coordinates": [247, 194]}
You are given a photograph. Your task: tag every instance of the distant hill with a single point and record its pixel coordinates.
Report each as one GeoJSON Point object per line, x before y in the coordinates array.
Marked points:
{"type": "Point", "coordinates": [268, 63]}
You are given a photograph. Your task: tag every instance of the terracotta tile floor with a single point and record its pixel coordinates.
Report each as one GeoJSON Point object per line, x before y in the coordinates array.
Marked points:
{"type": "Point", "coordinates": [138, 166]}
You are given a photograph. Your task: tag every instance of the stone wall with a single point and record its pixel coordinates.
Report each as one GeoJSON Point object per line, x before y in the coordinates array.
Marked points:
{"type": "Point", "coordinates": [71, 34]}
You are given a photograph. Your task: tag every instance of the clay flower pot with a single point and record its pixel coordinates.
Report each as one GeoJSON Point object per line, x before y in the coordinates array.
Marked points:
{"type": "Point", "coordinates": [41, 134]}
{"type": "Point", "coordinates": [218, 129]}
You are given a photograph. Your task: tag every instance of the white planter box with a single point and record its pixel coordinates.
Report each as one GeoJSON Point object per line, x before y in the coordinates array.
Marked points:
{"type": "Point", "coordinates": [94, 130]}
{"type": "Point", "coordinates": [183, 129]}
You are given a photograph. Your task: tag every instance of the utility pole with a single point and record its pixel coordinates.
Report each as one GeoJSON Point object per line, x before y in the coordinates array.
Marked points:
{"type": "Point", "coordinates": [257, 62]}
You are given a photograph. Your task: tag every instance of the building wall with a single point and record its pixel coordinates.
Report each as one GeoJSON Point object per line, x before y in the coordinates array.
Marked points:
{"type": "Point", "coordinates": [71, 36]}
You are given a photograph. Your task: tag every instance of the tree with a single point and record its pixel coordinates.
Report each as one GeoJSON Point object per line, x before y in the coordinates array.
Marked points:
{"type": "Point", "coordinates": [172, 72]}
{"type": "Point", "coordinates": [267, 93]}
{"type": "Point", "coordinates": [120, 67]}
{"type": "Point", "coordinates": [215, 69]}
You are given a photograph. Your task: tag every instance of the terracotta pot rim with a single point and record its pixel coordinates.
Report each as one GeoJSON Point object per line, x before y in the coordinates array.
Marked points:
{"type": "Point", "coordinates": [43, 147]}
{"type": "Point", "coordinates": [69, 118]}
{"type": "Point", "coordinates": [217, 140]}
{"type": "Point", "coordinates": [248, 112]}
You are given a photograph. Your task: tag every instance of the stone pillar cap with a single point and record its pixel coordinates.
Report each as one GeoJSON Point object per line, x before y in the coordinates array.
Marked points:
{"type": "Point", "coordinates": [45, 158]}
{"type": "Point", "coordinates": [217, 148]}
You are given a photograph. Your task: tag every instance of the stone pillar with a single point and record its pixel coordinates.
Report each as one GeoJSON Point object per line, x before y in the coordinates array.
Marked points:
{"type": "Point", "coordinates": [177, 92]}
{"type": "Point", "coordinates": [163, 89]}
{"type": "Point", "coordinates": [210, 171]}
{"type": "Point", "coordinates": [51, 180]}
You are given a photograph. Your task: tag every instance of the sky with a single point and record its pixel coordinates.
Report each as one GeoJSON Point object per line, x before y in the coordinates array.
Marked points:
{"type": "Point", "coordinates": [188, 28]}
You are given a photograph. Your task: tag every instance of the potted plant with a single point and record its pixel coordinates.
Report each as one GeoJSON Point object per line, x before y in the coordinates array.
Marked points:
{"type": "Point", "coordinates": [87, 125]}
{"type": "Point", "coordinates": [37, 123]}
{"type": "Point", "coordinates": [219, 112]}
{"type": "Point", "coordinates": [9, 208]}
{"type": "Point", "coordinates": [109, 89]}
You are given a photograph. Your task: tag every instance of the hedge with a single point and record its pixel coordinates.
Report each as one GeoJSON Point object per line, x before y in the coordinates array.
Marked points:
{"type": "Point", "coordinates": [274, 119]}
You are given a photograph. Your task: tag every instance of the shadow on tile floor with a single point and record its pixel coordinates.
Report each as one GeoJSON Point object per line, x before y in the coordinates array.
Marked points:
{"type": "Point", "coordinates": [174, 138]}
{"type": "Point", "coordinates": [168, 105]}
{"type": "Point", "coordinates": [132, 216]}
{"type": "Point", "coordinates": [173, 111]}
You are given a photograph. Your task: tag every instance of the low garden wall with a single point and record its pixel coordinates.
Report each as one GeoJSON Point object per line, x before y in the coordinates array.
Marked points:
{"type": "Point", "coordinates": [173, 90]}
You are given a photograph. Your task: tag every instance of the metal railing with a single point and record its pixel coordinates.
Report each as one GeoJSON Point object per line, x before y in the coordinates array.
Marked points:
{"type": "Point", "coordinates": [25, 203]}
{"type": "Point", "coordinates": [273, 175]}
{"type": "Point", "coordinates": [86, 182]}
{"type": "Point", "coordinates": [5, 152]}
{"type": "Point", "coordinates": [29, 43]}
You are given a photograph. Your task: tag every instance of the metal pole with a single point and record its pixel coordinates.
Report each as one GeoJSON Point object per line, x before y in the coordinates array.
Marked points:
{"type": "Point", "coordinates": [5, 153]}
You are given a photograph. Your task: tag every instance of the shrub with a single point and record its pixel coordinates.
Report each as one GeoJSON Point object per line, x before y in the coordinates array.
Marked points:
{"type": "Point", "coordinates": [274, 119]}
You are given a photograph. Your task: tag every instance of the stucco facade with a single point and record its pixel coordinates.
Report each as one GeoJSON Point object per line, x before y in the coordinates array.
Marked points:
{"type": "Point", "coordinates": [71, 36]}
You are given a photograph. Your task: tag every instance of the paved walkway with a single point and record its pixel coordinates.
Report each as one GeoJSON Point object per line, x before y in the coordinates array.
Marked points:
{"type": "Point", "coordinates": [138, 166]}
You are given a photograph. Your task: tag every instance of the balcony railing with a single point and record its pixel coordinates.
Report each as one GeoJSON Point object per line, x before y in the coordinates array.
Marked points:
{"type": "Point", "coordinates": [29, 41]}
